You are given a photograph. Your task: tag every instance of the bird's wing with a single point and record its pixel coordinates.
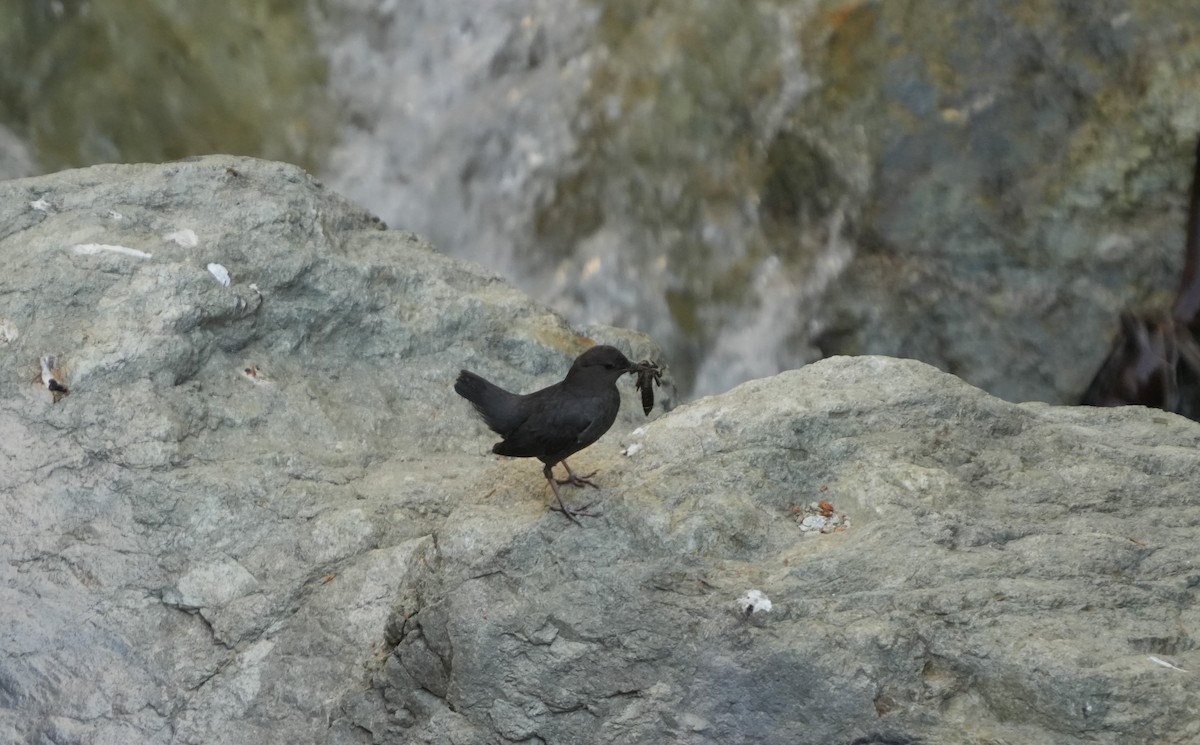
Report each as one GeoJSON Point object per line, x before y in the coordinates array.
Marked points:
{"type": "Point", "coordinates": [549, 430]}
{"type": "Point", "coordinates": [595, 428]}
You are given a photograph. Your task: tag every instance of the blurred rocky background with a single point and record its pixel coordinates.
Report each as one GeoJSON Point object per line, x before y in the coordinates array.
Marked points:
{"type": "Point", "coordinates": [756, 185]}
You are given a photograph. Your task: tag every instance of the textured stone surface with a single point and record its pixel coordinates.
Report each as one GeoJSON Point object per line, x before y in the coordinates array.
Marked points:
{"type": "Point", "coordinates": [1010, 575]}
{"type": "Point", "coordinates": [327, 552]}
{"type": "Point", "coordinates": [1030, 169]}
{"type": "Point", "coordinates": [193, 554]}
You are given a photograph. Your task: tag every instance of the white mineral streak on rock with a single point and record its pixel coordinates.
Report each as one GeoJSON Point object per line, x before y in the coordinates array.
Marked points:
{"type": "Point", "coordinates": [95, 248]}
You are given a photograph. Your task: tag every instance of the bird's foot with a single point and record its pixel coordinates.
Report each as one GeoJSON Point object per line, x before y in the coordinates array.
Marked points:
{"type": "Point", "coordinates": [571, 514]}
{"type": "Point", "coordinates": [579, 481]}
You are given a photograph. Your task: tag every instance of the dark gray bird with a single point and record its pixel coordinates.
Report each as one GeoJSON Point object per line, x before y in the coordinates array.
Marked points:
{"type": "Point", "coordinates": [557, 421]}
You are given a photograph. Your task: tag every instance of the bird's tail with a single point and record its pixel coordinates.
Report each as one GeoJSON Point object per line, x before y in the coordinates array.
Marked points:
{"type": "Point", "coordinates": [498, 407]}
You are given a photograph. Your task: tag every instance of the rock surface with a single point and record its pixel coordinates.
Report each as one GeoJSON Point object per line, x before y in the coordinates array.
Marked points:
{"type": "Point", "coordinates": [1011, 574]}
{"type": "Point", "coordinates": [325, 551]}
{"type": "Point", "coordinates": [193, 554]}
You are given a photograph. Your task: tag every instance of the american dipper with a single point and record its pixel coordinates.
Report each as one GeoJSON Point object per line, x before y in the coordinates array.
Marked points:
{"type": "Point", "coordinates": [557, 421]}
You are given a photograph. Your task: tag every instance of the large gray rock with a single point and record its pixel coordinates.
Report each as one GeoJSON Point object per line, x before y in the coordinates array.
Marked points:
{"type": "Point", "coordinates": [1011, 574]}
{"type": "Point", "coordinates": [193, 554]}
{"type": "Point", "coordinates": [327, 552]}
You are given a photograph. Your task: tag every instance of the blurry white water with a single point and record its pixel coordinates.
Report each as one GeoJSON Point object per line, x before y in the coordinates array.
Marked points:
{"type": "Point", "coordinates": [452, 110]}
{"type": "Point", "coordinates": [461, 120]}
{"type": "Point", "coordinates": [757, 345]}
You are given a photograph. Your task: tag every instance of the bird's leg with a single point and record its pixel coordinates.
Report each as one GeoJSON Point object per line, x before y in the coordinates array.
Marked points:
{"type": "Point", "coordinates": [567, 513]}
{"type": "Point", "coordinates": [574, 480]}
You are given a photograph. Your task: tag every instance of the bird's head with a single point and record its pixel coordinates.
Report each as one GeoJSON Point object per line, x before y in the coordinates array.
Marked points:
{"type": "Point", "coordinates": [600, 362]}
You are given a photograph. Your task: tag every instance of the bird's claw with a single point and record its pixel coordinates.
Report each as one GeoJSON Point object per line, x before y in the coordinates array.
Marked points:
{"type": "Point", "coordinates": [579, 481]}
{"type": "Point", "coordinates": [571, 514]}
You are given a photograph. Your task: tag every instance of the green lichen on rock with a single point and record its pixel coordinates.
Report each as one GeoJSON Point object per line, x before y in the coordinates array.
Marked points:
{"type": "Point", "coordinates": [143, 80]}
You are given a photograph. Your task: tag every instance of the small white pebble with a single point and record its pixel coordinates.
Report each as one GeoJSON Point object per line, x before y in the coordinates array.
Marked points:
{"type": "Point", "coordinates": [220, 272]}
{"type": "Point", "coordinates": [114, 215]}
{"type": "Point", "coordinates": [813, 523]}
{"type": "Point", "coordinates": [8, 331]}
{"type": "Point", "coordinates": [632, 450]}
{"type": "Point", "coordinates": [41, 205]}
{"type": "Point", "coordinates": [754, 601]}
{"type": "Point", "coordinates": [186, 238]}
